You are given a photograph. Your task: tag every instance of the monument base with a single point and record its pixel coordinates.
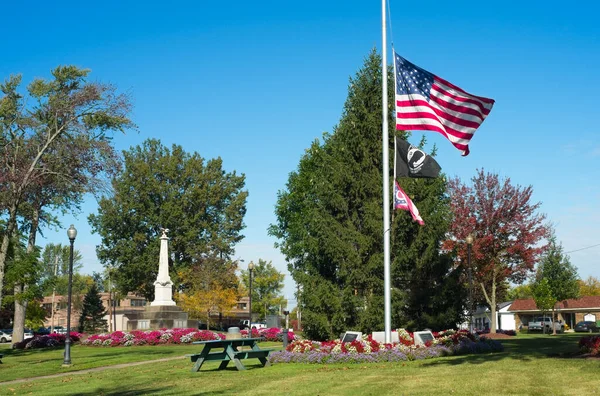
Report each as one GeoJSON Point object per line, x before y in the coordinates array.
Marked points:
{"type": "Point", "coordinates": [160, 317]}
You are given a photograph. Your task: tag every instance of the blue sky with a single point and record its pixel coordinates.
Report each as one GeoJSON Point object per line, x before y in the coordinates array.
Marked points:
{"type": "Point", "coordinates": [256, 83]}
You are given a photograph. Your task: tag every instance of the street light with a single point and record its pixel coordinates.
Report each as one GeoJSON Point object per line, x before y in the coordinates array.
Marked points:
{"type": "Point", "coordinates": [469, 241]}
{"type": "Point", "coordinates": [250, 268]}
{"type": "Point", "coordinates": [71, 233]}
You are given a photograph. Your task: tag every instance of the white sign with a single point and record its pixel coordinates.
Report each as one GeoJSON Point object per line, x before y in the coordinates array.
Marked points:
{"type": "Point", "coordinates": [350, 336]}
{"type": "Point", "coordinates": [589, 318]}
{"type": "Point", "coordinates": [421, 337]}
{"type": "Point", "coordinates": [379, 336]}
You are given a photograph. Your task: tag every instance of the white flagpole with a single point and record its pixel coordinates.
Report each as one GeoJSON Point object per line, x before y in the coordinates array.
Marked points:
{"type": "Point", "coordinates": [386, 185]}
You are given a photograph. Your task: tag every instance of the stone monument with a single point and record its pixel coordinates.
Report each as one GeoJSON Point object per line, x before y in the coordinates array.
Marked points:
{"type": "Point", "coordinates": [162, 312]}
{"type": "Point", "coordinates": [163, 287]}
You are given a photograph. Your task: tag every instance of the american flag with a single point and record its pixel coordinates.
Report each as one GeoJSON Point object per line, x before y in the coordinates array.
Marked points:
{"type": "Point", "coordinates": [403, 202]}
{"type": "Point", "coordinates": [425, 102]}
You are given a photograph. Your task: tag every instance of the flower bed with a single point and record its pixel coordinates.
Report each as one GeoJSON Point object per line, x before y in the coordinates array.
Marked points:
{"type": "Point", "coordinates": [445, 343]}
{"type": "Point", "coordinates": [511, 333]}
{"type": "Point", "coordinates": [151, 337]}
{"type": "Point", "coordinates": [46, 341]}
{"type": "Point", "coordinates": [590, 344]}
{"type": "Point", "coordinates": [274, 334]}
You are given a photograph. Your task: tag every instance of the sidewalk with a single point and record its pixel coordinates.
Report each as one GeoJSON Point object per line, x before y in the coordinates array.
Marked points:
{"type": "Point", "coordinates": [92, 370]}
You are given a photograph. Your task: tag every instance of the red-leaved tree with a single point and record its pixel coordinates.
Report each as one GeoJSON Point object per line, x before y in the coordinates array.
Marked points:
{"type": "Point", "coordinates": [508, 232]}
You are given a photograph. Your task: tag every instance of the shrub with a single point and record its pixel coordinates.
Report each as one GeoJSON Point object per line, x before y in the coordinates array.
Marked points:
{"type": "Point", "coordinates": [270, 334]}
{"type": "Point", "coordinates": [152, 337]}
{"type": "Point", "coordinates": [590, 344]}
{"type": "Point", "coordinates": [46, 341]}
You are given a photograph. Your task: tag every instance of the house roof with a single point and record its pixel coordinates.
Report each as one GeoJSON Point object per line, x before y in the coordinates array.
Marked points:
{"type": "Point", "coordinates": [585, 302]}
{"type": "Point", "coordinates": [481, 309]}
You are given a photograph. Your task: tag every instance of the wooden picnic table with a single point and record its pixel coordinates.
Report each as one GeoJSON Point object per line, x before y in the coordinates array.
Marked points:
{"type": "Point", "coordinates": [226, 351]}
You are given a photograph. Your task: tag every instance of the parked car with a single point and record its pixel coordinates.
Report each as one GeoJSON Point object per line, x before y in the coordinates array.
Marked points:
{"type": "Point", "coordinates": [586, 327]}
{"type": "Point", "coordinates": [42, 331]}
{"type": "Point", "coordinates": [5, 337]}
{"type": "Point", "coordinates": [27, 334]}
{"type": "Point", "coordinates": [545, 324]}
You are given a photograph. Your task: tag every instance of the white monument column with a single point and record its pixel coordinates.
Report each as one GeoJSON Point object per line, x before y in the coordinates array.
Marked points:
{"type": "Point", "coordinates": [163, 287]}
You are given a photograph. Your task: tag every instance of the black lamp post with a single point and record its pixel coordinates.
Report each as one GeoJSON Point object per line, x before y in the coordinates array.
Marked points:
{"type": "Point", "coordinates": [71, 233]}
{"type": "Point", "coordinates": [250, 268]}
{"type": "Point", "coordinates": [469, 241]}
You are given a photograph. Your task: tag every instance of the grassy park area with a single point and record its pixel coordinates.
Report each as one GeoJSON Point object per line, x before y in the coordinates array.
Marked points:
{"type": "Point", "coordinates": [530, 364]}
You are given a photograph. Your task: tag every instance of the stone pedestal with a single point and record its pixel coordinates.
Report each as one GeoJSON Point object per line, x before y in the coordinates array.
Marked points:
{"type": "Point", "coordinates": [159, 317]}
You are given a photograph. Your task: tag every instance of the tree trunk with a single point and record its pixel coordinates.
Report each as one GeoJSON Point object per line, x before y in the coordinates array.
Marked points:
{"type": "Point", "coordinates": [21, 302]}
{"type": "Point", "coordinates": [553, 321]}
{"type": "Point", "coordinates": [491, 301]}
{"type": "Point", "coordinates": [493, 305]}
{"type": "Point", "coordinates": [8, 233]}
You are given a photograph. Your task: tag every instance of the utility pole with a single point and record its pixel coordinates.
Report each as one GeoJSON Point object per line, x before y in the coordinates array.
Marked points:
{"type": "Point", "coordinates": [298, 313]}
{"type": "Point", "coordinates": [54, 293]}
{"type": "Point", "coordinates": [110, 324]}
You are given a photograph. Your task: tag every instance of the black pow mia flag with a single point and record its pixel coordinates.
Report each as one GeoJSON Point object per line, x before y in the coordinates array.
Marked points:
{"type": "Point", "coordinates": [411, 161]}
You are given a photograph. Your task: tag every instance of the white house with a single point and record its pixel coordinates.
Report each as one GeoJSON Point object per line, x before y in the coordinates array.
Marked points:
{"type": "Point", "coordinates": [482, 318]}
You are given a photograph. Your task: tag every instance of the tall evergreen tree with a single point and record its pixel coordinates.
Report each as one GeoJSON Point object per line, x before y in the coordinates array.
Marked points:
{"type": "Point", "coordinates": [329, 223]}
{"type": "Point", "coordinates": [92, 313]}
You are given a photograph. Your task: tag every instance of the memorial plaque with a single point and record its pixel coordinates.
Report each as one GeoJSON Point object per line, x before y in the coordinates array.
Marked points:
{"type": "Point", "coordinates": [421, 337]}
{"type": "Point", "coordinates": [379, 336]}
{"type": "Point", "coordinates": [350, 336]}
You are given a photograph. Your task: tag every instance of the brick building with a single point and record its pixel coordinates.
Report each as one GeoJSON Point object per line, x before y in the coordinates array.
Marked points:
{"type": "Point", "coordinates": [569, 311]}
{"type": "Point", "coordinates": [129, 304]}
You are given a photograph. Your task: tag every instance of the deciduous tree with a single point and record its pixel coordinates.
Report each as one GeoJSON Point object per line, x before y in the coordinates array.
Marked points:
{"type": "Point", "coordinates": [203, 303]}
{"type": "Point", "coordinates": [589, 287]}
{"type": "Point", "coordinates": [542, 295]}
{"type": "Point", "coordinates": [561, 276]}
{"type": "Point", "coordinates": [53, 145]}
{"type": "Point", "coordinates": [267, 285]}
{"type": "Point", "coordinates": [201, 204]}
{"type": "Point", "coordinates": [507, 228]}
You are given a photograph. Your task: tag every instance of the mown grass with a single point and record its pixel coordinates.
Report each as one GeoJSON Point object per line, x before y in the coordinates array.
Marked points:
{"type": "Point", "coordinates": [530, 365]}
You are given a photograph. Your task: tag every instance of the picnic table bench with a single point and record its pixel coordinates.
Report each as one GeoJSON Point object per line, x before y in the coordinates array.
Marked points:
{"type": "Point", "coordinates": [227, 351]}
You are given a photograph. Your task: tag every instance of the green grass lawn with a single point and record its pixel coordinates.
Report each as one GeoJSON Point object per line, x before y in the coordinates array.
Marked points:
{"type": "Point", "coordinates": [530, 365]}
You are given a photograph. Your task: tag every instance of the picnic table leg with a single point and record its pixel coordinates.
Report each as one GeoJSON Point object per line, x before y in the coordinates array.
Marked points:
{"type": "Point", "coordinates": [238, 364]}
{"type": "Point", "coordinates": [201, 359]}
{"type": "Point", "coordinates": [264, 361]}
{"type": "Point", "coordinates": [223, 364]}
{"type": "Point", "coordinates": [197, 365]}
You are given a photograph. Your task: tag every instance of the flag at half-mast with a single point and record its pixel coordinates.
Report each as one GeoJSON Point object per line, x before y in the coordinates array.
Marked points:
{"type": "Point", "coordinates": [411, 161]}
{"type": "Point", "coordinates": [426, 102]}
{"type": "Point", "coordinates": [403, 202]}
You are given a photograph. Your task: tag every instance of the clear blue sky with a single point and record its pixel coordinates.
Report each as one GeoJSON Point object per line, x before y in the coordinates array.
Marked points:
{"type": "Point", "coordinates": [257, 82]}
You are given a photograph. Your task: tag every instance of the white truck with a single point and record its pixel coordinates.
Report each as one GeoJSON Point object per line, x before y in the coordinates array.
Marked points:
{"type": "Point", "coordinates": [258, 326]}
{"type": "Point", "coordinates": [545, 324]}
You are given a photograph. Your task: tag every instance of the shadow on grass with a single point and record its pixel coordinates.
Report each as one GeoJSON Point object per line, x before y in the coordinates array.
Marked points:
{"type": "Point", "coordinates": [113, 391]}
{"type": "Point", "coordinates": [124, 392]}
{"type": "Point", "coordinates": [522, 349]}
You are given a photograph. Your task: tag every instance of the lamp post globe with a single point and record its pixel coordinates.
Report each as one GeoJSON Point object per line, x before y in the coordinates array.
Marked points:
{"type": "Point", "coordinates": [72, 234]}
{"type": "Point", "coordinates": [250, 269]}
